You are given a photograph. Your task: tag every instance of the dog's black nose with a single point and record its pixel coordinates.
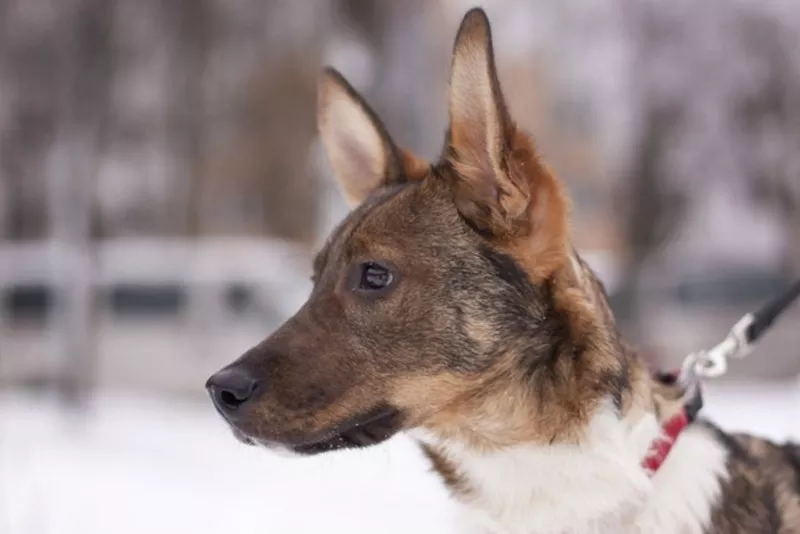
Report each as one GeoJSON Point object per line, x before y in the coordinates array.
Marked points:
{"type": "Point", "coordinates": [232, 388]}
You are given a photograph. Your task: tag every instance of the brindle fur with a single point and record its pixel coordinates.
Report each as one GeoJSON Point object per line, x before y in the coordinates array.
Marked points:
{"type": "Point", "coordinates": [496, 333]}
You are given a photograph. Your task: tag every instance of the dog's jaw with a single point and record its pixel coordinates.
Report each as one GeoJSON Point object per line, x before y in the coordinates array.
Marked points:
{"type": "Point", "coordinates": [596, 486]}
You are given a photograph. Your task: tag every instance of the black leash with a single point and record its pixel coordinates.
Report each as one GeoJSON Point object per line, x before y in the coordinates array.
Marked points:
{"type": "Point", "coordinates": [763, 318]}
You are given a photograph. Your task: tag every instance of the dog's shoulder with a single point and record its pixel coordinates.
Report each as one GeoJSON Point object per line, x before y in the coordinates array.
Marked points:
{"type": "Point", "coordinates": [762, 491]}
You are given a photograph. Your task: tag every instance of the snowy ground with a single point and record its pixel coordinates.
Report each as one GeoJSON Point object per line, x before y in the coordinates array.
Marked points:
{"type": "Point", "coordinates": [144, 465]}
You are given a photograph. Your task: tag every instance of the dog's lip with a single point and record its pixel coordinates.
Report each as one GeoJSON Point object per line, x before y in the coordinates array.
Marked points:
{"type": "Point", "coordinates": [370, 428]}
{"type": "Point", "coordinates": [241, 436]}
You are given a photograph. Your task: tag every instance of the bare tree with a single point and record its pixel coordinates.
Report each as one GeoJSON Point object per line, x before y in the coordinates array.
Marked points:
{"type": "Point", "coordinates": [191, 24]}
{"type": "Point", "coordinates": [87, 60]}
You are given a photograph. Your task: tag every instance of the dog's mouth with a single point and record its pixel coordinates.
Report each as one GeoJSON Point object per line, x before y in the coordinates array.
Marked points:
{"type": "Point", "coordinates": [369, 428]}
{"type": "Point", "coordinates": [365, 430]}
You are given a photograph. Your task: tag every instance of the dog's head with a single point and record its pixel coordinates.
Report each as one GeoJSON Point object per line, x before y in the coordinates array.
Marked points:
{"type": "Point", "coordinates": [449, 299]}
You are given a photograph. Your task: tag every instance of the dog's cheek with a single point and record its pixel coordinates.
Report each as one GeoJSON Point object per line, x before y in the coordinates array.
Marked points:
{"type": "Point", "coordinates": [422, 396]}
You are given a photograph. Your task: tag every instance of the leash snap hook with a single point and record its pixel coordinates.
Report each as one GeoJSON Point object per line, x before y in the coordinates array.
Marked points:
{"type": "Point", "coordinates": [714, 362]}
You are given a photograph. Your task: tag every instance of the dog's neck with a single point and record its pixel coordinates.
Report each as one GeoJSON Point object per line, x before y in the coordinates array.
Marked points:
{"type": "Point", "coordinates": [597, 486]}
{"type": "Point", "coordinates": [591, 481]}
{"type": "Point", "coordinates": [592, 486]}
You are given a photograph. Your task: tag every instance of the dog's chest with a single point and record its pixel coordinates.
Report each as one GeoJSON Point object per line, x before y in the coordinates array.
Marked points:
{"type": "Point", "coordinates": [596, 488]}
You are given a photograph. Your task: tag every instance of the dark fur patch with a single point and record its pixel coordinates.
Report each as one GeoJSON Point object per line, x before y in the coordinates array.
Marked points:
{"type": "Point", "coordinates": [618, 382]}
{"type": "Point", "coordinates": [447, 470]}
{"type": "Point", "coordinates": [736, 451]}
{"type": "Point", "coordinates": [509, 271]}
{"type": "Point", "coordinates": [544, 337]}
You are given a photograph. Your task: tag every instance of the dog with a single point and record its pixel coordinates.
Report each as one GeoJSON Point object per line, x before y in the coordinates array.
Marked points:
{"type": "Point", "coordinates": [450, 304]}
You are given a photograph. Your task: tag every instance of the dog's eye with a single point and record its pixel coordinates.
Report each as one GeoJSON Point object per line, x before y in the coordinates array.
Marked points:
{"type": "Point", "coordinates": [374, 277]}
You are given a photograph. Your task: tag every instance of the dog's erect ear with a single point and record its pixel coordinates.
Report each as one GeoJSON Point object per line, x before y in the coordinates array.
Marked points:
{"type": "Point", "coordinates": [501, 187]}
{"type": "Point", "coordinates": [360, 150]}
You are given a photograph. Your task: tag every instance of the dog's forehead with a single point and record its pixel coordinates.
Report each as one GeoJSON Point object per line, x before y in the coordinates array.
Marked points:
{"type": "Point", "coordinates": [374, 215]}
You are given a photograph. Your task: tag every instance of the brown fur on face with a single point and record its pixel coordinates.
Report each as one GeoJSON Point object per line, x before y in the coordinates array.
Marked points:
{"type": "Point", "coordinates": [493, 330]}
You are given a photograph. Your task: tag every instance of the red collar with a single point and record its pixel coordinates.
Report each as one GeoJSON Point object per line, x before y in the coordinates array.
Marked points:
{"type": "Point", "coordinates": [660, 448]}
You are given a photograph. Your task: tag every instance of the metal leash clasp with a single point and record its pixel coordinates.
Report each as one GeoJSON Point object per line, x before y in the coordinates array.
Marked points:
{"type": "Point", "coordinates": [714, 362]}
{"type": "Point", "coordinates": [737, 344]}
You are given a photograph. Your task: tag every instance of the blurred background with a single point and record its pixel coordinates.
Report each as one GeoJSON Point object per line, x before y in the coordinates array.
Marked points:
{"type": "Point", "coordinates": [162, 189]}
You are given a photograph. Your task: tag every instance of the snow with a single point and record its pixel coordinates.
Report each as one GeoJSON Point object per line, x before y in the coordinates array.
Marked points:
{"type": "Point", "coordinates": [146, 465]}
{"type": "Point", "coordinates": [138, 464]}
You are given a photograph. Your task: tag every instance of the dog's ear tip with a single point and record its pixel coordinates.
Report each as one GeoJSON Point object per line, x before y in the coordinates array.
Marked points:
{"type": "Point", "coordinates": [330, 73]}
{"type": "Point", "coordinates": [328, 76]}
{"type": "Point", "coordinates": [332, 87]}
{"type": "Point", "coordinates": [475, 24]}
{"type": "Point", "coordinates": [331, 79]}
{"type": "Point", "coordinates": [476, 15]}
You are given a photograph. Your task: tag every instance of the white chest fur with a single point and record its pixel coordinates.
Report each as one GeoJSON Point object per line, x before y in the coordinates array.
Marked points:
{"type": "Point", "coordinates": [596, 487]}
